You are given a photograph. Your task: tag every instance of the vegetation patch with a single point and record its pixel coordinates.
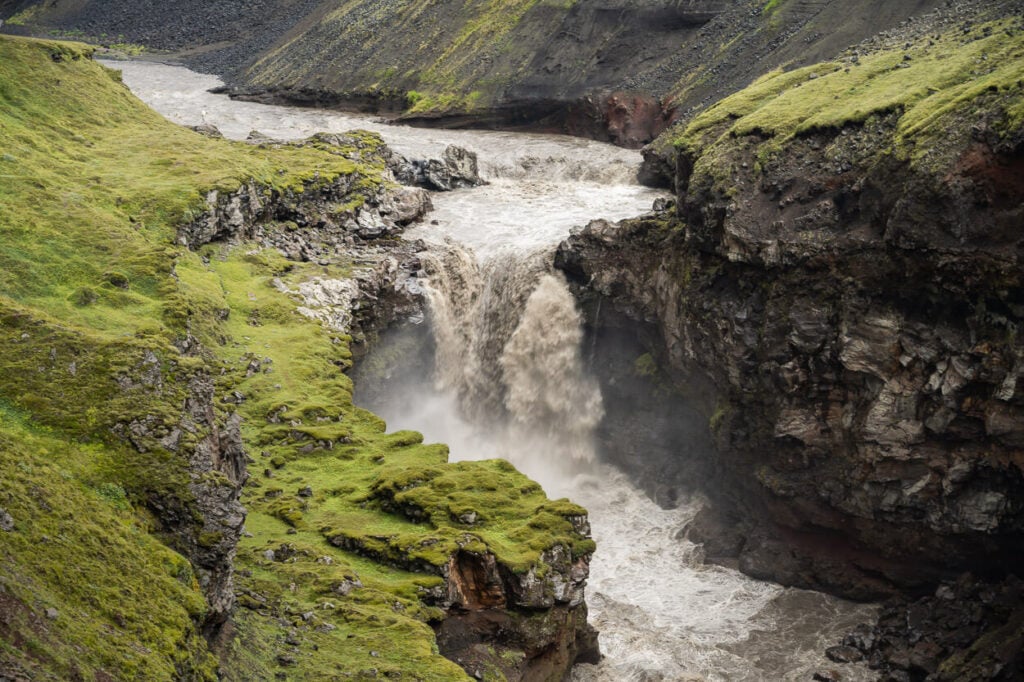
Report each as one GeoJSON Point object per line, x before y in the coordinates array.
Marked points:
{"type": "Point", "coordinates": [107, 324]}
{"type": "Point", "coordinates": [98, 594]}
{"type": "Point", "coordinates": [464, 59]}
{"type": "Point", "coordinates": [928, 84]}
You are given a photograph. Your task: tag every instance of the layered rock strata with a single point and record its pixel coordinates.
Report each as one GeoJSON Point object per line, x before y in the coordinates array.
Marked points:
{"type": "Point", "coordinates": [847, 318]}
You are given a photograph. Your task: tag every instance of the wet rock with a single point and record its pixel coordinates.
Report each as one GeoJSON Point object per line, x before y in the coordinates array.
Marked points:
{"type": "Point", "coordinates": [862, 638]}
{"type": "Point", "coordinates": [827, 676]}
{"type": "Point", "coordinates": [843, 654]}
{"type": "Point", "coordinates": [209, 130]}
{"type": "Point", "coordinates": [457, 168]}
{"type": "Point", "coordinates": [407, 205]}
{"type": "Point", "coordinates": [969, 630]}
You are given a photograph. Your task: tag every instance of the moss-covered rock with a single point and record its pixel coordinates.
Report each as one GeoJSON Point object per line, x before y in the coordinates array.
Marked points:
{"type": "Point", "coordinates": [165, 323]}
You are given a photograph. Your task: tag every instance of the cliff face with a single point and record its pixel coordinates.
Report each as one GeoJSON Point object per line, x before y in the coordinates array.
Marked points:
{"type": "Point", "coordinates": [190, 492]}
{"type": "Point", "coordinates": [839, 288]}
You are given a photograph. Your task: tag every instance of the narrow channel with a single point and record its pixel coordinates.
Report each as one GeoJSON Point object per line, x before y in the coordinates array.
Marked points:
{"type": "Point", "coordinates": [509, 378]}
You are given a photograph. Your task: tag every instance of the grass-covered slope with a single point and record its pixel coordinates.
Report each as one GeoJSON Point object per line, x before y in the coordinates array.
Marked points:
{"type": "Point", "coordinates": [423, 56]}
{"type": "Point", "coordinates": [84, 588]}
{"type": "Point", "coordinates": [109, 331]}
{"type": "Point", "coordinates": [923, 102]}
{"type": "Point", "coordinates": [927, 83]}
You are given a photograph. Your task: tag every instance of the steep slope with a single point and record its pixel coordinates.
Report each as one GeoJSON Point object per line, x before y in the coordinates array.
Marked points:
{"type": "Point", "coordinates": [174, 308]}
{"type": "Point", "coordinates": [839, 289]}
{"type": "Point", "coordinates": [216, 35]}
{"type": "Point", "coordinates": [618, 69]}
{"type": "Point", "coordinates": [609, 69]}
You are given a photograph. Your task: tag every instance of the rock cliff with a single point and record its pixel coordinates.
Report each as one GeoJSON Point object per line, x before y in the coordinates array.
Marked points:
{"type": "Point", "coordinates": [838, 289]}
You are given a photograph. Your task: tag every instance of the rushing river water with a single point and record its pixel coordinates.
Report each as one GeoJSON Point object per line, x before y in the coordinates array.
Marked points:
{"type": "Point", "coordinates": [511, 383]}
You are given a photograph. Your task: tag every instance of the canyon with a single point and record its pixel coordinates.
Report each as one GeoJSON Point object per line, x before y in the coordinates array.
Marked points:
{"type": "Point", "coordinates": [801, 363]}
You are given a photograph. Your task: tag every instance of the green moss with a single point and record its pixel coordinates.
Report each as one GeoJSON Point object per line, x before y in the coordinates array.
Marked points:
{"type": "Point", "coordinates": [97, 297]}
{"type": "Point", "coordinates": [718, 417]}
{"type": "Point", "coordinates": [124, 602]}
{"type": "Point", "coordinates": [927, 84]}
{"type": "Point", "coordinates": [25, 16]}
{"type": "Point", "coordinates": [645, 366]}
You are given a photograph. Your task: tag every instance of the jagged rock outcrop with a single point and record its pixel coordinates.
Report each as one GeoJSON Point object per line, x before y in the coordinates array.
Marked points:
{"type": "Point", "coordinates": [529, 627]}
{"type": "Point", "coordinates": [969, 630]}
{"type": "Point", "coordinates": [318, 218]}
{"type": "Point", "coordinates": [322, 221]}
{"type": "Point", "coordinates": [204, 520]}
{"type": "Point", "coordinates": [527, 624]}
{"type": "Point", "coordinates": [848, 320]}
{"type": "Point", "coordinates": [456, 168]}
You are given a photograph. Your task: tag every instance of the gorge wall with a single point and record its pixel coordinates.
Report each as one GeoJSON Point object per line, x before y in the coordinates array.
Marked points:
{"type": "Point", "coordinates": [838, 289]}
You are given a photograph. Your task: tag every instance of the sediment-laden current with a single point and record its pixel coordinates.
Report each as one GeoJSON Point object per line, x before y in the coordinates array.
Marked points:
{"type": "Point", "coordinates": [511, 380]}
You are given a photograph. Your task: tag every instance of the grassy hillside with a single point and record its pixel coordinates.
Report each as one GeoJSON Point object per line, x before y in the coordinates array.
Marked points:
{"type": "Point", "coordinates": [107, 327]}
{"type": "Point", "coordinates": [939, 89]}
{"type": "Point", "coordinates": [461, 58]}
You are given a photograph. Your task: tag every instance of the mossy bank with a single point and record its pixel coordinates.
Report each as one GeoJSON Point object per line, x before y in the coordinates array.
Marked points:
{"type": "Point", "coordinates": [189, 491]}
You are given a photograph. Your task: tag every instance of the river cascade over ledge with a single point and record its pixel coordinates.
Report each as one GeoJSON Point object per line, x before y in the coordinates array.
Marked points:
{"type": "Point", "coordinates": [511, 379]}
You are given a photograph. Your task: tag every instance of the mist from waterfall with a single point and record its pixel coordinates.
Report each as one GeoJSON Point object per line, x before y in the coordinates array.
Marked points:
{"type": "Point", "coordinates": [509, 380]}
{"type": "Point", "coordinates": [508, 377]}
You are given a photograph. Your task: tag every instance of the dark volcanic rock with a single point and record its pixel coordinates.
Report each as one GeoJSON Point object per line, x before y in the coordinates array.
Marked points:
{"type": "Point", "coordinates": [457, 168]}
{"type": "Point", "coordinates": [970, 630]}
{"type": "Point", "coordinates": [848, 330]}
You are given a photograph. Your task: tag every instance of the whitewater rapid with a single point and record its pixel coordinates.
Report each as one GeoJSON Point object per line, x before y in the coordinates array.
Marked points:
{"type": "Point", "coordinates": [496, 306]}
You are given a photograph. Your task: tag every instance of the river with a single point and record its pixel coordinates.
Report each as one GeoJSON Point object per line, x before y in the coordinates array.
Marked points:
{"type": "Point", "coordinates": [510, 382]}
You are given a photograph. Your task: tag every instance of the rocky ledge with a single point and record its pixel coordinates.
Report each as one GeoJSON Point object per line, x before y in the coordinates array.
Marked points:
{"type": "Point", "coordinates": [527, 619]}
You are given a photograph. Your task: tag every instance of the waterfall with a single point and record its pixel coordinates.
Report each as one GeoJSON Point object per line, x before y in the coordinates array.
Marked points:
{"type": "Point", "coordinates": [508, 342]}
{"type": "Point", "coordinates": [508, 381]}
{"type": "Point", "coordinates": [546, 385]}
{"type": "Point", "coordinates": [581, 166]}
